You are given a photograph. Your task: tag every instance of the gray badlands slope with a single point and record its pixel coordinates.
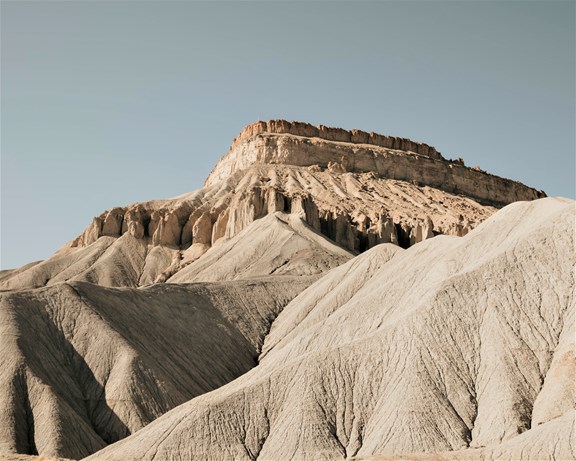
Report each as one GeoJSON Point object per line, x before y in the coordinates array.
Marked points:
{"type": "Point", "coordinates": [82, 366]}
{"type": "Point", "coordinates": [453, 343]}
{"type": "Point", "coordinates": [277, 244]}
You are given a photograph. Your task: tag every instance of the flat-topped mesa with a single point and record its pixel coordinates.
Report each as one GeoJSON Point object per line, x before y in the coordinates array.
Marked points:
{"type": "Point", "coordinates": [302, 144]}
{"type": "Point", "coordinates": [341, 183]}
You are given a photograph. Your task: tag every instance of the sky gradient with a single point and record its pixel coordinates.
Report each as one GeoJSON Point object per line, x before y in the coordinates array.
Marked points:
{"type": "Point", "coordinates": [108, 103]}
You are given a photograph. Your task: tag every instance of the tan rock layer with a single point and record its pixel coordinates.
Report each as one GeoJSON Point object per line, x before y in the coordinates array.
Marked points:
{"type": "Point", "coordinates": [339, 151]}
{"type": "Point", "coordinates": [359, 189]}
{"type": "Point", "coordinates": [334, 134]}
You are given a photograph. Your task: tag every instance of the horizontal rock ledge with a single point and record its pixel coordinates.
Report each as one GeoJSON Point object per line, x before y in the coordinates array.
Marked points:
{"type": "Point", "coordinates": [340, 151]}
{"type": "Point", "coordinates": [334, 134]}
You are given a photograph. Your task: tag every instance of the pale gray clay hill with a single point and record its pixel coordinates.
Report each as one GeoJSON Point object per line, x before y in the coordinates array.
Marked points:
{"type": "Point", "coordinates": [456, 344]}
{"type": "Point", "coordinates": [328, 294]}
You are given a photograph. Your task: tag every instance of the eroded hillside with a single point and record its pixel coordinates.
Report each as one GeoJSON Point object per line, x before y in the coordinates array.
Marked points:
{"type": "Point", "coordinates": [284, 311]}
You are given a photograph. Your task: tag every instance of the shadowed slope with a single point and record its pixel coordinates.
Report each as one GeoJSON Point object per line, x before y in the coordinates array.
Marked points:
{"type": "Point", "coordinates": [82, 366]}
{"type": "Point", "coordinates": [89, 365]}
{"type": "Point", "coordinates": [108, 262]}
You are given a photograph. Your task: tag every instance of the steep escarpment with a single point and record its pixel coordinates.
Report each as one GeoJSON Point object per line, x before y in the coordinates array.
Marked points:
{"type": "Point", "coordinates": [333, 134]}
{"type": "Point", "coordinates": [302, 144]}
{"type": "Point", "coordinates": [357, 188]}
{"type": "Point", "coordinates": [356, 210]}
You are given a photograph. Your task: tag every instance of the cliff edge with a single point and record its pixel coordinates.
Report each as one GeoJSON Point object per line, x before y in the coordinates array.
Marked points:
{"type": "Point", "coordinates": [356, 151]}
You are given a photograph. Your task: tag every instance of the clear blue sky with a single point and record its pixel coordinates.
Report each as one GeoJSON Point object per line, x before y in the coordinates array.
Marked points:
{"type": "Point", "coordinates": [108, 103]}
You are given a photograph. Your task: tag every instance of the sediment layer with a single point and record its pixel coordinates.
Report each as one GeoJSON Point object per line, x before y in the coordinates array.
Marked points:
{"type": "Point", "coordinates": [355, 151]}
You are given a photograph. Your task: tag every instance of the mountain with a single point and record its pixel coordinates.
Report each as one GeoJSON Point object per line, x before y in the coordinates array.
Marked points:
{"type": "Point", "coordinates": [295, 307]}
{"type": "Point", "coordinates": [358, 189]}
{"type": "Point", "coordinates": [453, 344]}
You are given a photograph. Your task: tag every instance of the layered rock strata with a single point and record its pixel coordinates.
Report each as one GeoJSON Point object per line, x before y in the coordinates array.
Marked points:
{"type": "Point", "coordinates": [302, 144]}
{"type": "Point", "coordinates": [357, 211]}
{"type": "Point", "coordinates": [333, 134]}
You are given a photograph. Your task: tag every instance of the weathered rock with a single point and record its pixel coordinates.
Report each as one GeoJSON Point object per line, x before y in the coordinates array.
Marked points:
{"type": "Point", "coordinates": [93, 232]}
{"type": "Point", "coordinates": [355, 210]}
{"type": "Point", "coordinates": [167, 228]}
{"type": "Point", "coordinates": [112, 225]}
{"type": "Point", "coordinates": [220, 226]}
{"type": "Point", "coordinates": [135, 222]}
{"type": "Point", "coordinates": [332, 134]}
{"type": "Point", "coordinates": [389, 157]}
{"type": "Point", "coordinates": [275, 201]}
{"type": "Point", "coordinates": [359, 137]}
{"type": "Point", "coordinates": [262, 174]}
{"type": "Point", "coordinates": [202, 229]}
{"type": "Point", "coordinates": [336, 167]}
{"type": "Point", "coordinates": [385, 230]}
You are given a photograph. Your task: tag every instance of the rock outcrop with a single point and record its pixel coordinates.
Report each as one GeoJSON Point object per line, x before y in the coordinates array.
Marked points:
{"type": "Point", "coordinates": [278, 244]}
{"type": "Point", "coordinates": [333, 134]}
{"type": "Point", "coordinates": [302, 144]}
{"type": "Point", "coordinates": [284, 311]}
{"type": "Point", "coordinates": [158, 239]}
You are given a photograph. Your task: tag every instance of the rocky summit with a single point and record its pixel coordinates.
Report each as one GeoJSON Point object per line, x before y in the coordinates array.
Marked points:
{"type": "Point", "coordinates": [328, 294]}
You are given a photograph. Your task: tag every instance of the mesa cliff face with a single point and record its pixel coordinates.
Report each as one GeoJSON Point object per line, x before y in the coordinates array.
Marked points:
{"type": "Point", "coordinates": [356, 151]}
